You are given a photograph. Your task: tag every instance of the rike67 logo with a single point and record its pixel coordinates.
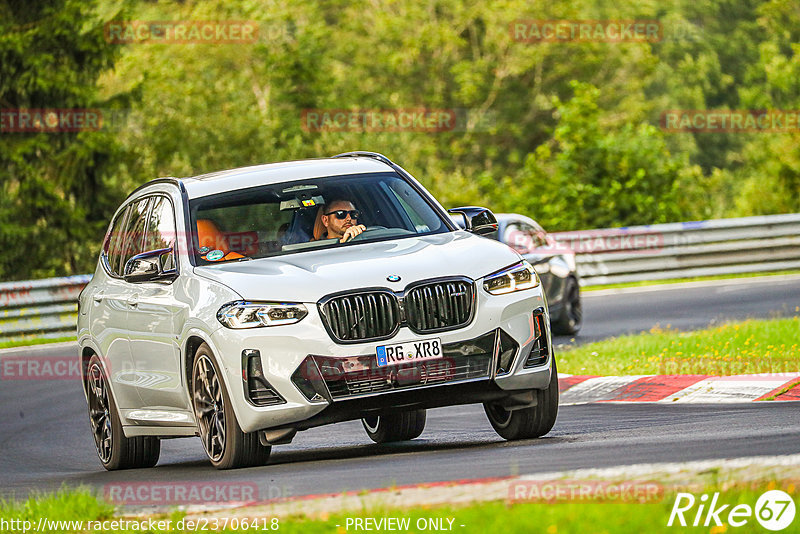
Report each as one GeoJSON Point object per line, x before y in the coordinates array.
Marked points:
{"type": "Point", "coordinates": [774, 510]}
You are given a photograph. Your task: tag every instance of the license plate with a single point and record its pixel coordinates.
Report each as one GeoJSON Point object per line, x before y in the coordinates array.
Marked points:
{"type": "Point", "coordinates": [411, 351]}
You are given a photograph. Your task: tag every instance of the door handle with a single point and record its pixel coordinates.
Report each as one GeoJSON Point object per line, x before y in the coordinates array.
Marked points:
{"type": "Point", "coordinates": [133, 301]}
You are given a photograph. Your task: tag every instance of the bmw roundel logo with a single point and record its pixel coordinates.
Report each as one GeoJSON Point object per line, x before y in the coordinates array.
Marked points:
{"type": "Point", "coordinates": [393, 278]}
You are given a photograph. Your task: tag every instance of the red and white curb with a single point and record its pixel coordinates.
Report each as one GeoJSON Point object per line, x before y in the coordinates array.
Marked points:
{"type": "Point", "coordinates": [582, 389]}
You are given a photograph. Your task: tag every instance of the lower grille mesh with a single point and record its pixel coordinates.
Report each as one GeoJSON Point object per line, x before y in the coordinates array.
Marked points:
{"type": "Point", "coordinates": [360, 375]}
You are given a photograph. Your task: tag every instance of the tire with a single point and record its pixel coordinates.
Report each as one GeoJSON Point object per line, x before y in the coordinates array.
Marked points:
{"type": "Point", "coordinates": [114, 450]}
{"type": "Point", "coordinates": [570, 317]}
{"type": "Point", "coordinates": [226, 445]}
{"type": "Point", "coordinates": [401, 426]}
{"type": "Point", "coordinates": [527, 423]}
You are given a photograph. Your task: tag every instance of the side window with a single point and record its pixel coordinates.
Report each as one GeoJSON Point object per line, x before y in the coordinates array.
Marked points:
{"type": "Point", "coordinates": [112, 246]}
{"type": "Point", "coordinates": [133, 236]}
{"type": "Point", "coordinates": [518, 238]}
{"type": "Point", "coordinates": [161, 232]}
{"type": "Point", "coordinates": [536, 236]}
{"type": "Point", "coordinates": [541, 239]}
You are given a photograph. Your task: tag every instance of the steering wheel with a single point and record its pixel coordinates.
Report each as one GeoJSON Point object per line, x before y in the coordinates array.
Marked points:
{"type": "Point", "coordinates": [366, 231]}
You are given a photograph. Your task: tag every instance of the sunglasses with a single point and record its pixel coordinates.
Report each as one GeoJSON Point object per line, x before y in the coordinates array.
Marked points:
{"type": "Point", "coordinates": [342, 214]}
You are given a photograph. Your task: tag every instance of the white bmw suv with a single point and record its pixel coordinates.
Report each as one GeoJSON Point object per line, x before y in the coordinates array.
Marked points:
{"type": "Point", "coordinates": [246, 305]}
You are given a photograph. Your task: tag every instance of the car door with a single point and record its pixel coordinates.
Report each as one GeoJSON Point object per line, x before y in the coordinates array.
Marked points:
{"type": "Point", "coordinates": [108, 316]}
{"type": "Point", "coordinates": [156, 318]}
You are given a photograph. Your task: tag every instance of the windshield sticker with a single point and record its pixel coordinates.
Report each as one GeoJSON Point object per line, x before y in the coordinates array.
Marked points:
{"type": "Point", "coordinates": [215, 255]}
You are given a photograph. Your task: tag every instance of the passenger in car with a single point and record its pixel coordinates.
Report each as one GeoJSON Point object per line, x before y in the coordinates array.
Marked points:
{"type": "Point", "coordinates": [337, 219]}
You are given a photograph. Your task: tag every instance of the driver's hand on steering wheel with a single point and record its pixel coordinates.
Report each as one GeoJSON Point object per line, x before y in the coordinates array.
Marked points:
{"type": "Point", "coordinates": [351, 232]}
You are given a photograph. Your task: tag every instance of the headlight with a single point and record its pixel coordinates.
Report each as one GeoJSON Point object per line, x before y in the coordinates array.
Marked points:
{"type": "Point", "coordinates": [254, 314]}
{"type": "Point", "coordinates": [515, 278]}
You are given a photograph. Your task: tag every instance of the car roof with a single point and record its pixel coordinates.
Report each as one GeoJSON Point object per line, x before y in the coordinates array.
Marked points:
{"type": "Point", "coordinates": [506, 218]}
{"type": "Point", "coordinates": [271, 173]}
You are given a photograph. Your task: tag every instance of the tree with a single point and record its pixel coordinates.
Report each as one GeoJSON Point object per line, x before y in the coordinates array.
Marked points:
{"type": "Point", "coordinates": [56, 192]}
{"type": "Point", "coordinates": [599, 174]}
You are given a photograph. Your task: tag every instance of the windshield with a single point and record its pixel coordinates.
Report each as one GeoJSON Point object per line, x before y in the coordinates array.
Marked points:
{"type": "Point", "coordinates": [291, 217]}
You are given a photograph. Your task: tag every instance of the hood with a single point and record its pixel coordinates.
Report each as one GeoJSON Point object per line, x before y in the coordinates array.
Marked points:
{"type": "Point", "coordinates": [309, 276]}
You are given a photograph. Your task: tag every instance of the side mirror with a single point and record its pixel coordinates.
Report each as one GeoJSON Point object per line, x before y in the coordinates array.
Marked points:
{"type": "Point", "coordinates": [151, 266]}
{"type": "Point", "coordinates": [459, 220]}
{"type": "Point", "coordinates": [480, 221]}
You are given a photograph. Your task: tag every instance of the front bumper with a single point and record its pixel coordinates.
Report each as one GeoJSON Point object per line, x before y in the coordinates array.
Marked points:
{"type": "Point", "coordinates": [320, 382]}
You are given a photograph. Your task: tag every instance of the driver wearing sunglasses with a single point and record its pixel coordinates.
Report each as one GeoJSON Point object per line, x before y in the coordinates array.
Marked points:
{"type": "Point", "coordinates": [340, 218]}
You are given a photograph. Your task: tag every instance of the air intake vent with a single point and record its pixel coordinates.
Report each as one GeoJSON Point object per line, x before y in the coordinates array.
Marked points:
{"type": "Point", "coordinates": [361, 316]}
{"type": "Point", "coordinates": [540, 350]}
{"type": "Point", "coordinates": [259, 391]}
{"type": "Point", "coordinates": [439, 306]}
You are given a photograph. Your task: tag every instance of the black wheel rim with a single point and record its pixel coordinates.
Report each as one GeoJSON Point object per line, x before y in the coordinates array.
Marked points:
{"type": "Point", "coordinates": [209, 407]}
{"type": "Point", "coordinates": [574, 305]}
{"type": "Point", "coordinates": [100, 413]}
{"type": "Point", "coordinates": [499, 415]}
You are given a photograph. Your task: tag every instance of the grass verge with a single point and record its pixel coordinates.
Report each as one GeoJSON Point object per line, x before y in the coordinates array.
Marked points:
{"type": "Point", "coordinates": [34, 341]}
{"type": "Point", "coordinates": [748, 347]}
{"type": "Point", "coordinates": [681, 280]}
{"type": "Point", "coordinates": [562, 516]}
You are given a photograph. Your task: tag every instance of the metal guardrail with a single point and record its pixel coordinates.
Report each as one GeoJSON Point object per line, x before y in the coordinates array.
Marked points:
{"type": "Point", "coordinates": [40, 308]}
{"type": "Point", "coordinates": [48, 308]}
{"type": "Point", "coordinates": [688, 249]}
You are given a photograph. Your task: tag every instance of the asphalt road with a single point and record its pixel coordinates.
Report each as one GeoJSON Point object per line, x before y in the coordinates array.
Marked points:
{"type": "Point", "coordinates": [688, 306]}
{"type": "Point", "coordinates": [45, 439]}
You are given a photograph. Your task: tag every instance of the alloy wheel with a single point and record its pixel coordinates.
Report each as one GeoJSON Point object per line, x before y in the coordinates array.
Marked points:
{"type": "Point", "coordinates": [209, 407]}
{"type": "Point", "coordinates": [100, 413]}
{"type": "Point", "coordinates": [372, 423]}
{"type": "Point", "coordinates": [499, 415]}
{"type": "Point", "coordinates": [574, 311]}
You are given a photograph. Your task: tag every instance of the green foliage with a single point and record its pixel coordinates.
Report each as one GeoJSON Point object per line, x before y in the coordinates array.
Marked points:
{"type": "Point", "coordinates": [599, 173]}
{"type": "Point", "coordinates": [609, 176]}
{"type": "Point", "coordinates": [770, 166]}
{"type": "Point", "coordinates": [56, 191]}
